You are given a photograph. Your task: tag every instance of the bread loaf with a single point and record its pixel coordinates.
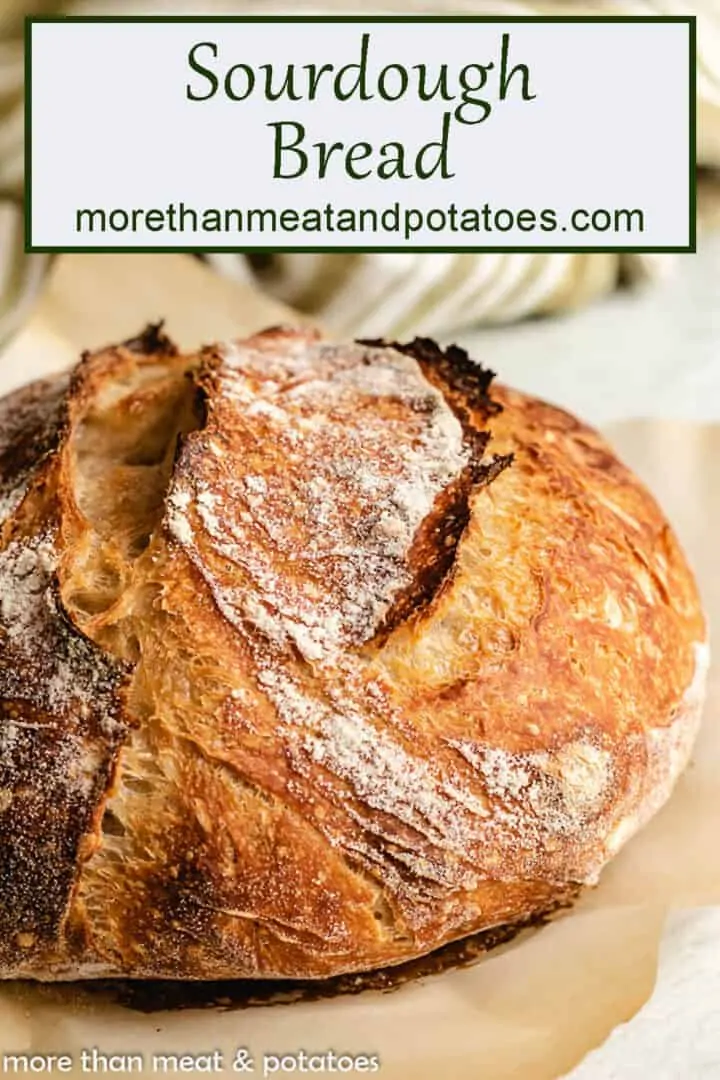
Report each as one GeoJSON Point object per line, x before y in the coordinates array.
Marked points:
{"type": "Point", "coordinates": [315, 657]}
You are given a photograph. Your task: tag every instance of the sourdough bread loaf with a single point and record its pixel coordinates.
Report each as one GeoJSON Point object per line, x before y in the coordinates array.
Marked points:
{"type": "Point", "coordinates": [315, 657]}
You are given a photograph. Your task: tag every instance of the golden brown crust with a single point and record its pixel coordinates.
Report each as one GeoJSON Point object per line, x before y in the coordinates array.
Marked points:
{"type": "Point", "coordinates": [60, 709]}
{"type": "Point", "coordinates": [397, 652]}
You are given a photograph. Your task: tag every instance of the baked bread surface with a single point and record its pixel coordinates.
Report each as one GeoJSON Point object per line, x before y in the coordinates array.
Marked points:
{"type": "Point", "coordinates": [315, 657]}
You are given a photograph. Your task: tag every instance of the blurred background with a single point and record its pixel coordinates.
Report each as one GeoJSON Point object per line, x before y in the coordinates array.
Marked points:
{"type": "Point", "coordinates": [610, 334]}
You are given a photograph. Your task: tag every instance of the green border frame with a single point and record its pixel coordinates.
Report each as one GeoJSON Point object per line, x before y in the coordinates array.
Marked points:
{"type": "Point", "coordinates": [689, 20]}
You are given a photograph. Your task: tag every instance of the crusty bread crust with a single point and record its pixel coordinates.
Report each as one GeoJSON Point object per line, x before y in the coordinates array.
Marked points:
{"type": "Point", "coordinates": [314, 658]}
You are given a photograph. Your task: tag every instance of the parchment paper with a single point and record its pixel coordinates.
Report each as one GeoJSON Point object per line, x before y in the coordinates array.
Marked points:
{"type": "Point", "coordinates": [532, 1009]}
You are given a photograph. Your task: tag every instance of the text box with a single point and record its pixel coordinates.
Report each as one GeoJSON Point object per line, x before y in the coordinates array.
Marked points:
{"type": "Point", "coordinates": [350, 133]}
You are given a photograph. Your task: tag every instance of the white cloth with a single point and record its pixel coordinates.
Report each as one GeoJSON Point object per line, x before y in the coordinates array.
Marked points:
{"type": "Point", "coordinates": [675, 1035]}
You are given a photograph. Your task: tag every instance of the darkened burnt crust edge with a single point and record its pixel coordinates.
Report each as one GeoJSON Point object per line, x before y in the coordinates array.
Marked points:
{"type": "Point", "coordinates": [23, 456]}
{"type": "Point", "coordinates": [451, 369]}
{"type": "Point", "coordinates": [152, 341]}
{"type": "Point", "coordinates": [152, 996]}
{"type": "Point", "coordinates": [464, 385]}
{"type": "Point", "coordinates": [38, 879]}
{"type": "Point", "coordinates": [437, 541]}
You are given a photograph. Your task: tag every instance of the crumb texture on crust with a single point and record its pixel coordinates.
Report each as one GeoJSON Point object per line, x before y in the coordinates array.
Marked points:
{"type": "Point", "coordinates": [329, 654]}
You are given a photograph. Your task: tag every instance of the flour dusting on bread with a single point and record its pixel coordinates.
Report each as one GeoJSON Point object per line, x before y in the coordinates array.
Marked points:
{"type": "Point", "coordinates": [315, 657]}
{"type": "Point", "coordinates": [347, 464]}
{"type": "Point", "coordinates": [538, 798]}
{"type": "Point", "coordinates": [70, 673]}
{"type": "Point", "coordinates": [383, 775]}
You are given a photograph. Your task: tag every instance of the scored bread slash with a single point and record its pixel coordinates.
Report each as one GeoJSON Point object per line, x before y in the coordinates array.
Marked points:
{"type": "Point", "coordinates": [335, 479]}
{"type": "Point", "coordinates": [298, 678]}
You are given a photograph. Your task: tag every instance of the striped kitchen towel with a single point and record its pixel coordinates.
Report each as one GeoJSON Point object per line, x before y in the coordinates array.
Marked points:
{"type": "Point", "coordinates": [371, 294]}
